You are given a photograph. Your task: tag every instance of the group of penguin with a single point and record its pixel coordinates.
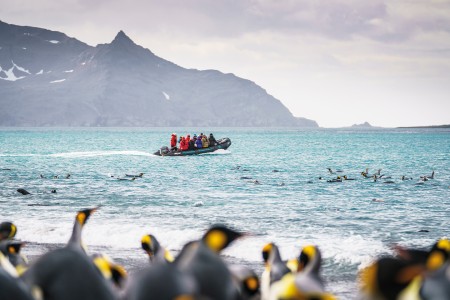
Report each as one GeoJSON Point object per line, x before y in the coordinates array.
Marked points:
{"type": "Point", "coordinates": [375, 177]}
{"type": "Point", "coordinates": [199, 272]}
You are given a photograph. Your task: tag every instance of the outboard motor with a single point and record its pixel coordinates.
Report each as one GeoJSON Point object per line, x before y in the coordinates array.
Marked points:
{"type": "Point", "coordinates": [164, 150]}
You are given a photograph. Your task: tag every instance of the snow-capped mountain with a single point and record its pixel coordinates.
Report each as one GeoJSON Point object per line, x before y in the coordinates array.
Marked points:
{"type": "Point", "coordinates": [50, 79]}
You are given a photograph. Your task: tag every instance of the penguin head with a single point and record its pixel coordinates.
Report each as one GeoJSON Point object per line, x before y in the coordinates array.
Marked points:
{"type": "Point", "coordinates": [388, 276]}
{"type": "Point", "coordinates": [309, 256]}
{"type": "Point", "coordinates": [11, 249]}
{"type": "Point", "coordinates": [7, 230]}
{"type": "Point", "coordinates": [266, 250]}
{"type": "Point", "coordinates": [218, 237]}
{"type": "Point", "coordinates": [150, 245]}
{"type": "Point", "coordinates": [83, 215]}
{"type": "Point", "coordinates": [439, 254]}
{"type": "Point", "coordinates": [109, 269]}
{"type": "Point", "coordinates": [251, 285]}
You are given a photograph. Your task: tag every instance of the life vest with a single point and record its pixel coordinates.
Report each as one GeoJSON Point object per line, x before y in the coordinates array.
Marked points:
{"type": "Point", "coordinates": [173, 140]}
{"type": "Point", "coordinates": [205, 142]}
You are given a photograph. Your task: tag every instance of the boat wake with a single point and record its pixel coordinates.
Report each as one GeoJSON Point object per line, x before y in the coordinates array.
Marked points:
{"type": "Point", "coordinates": [100, 153]}
{"type": "Point", "coordinates": [218, 152]}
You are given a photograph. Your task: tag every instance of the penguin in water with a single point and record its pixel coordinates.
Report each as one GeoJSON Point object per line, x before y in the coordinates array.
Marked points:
{"type": "Point", "coordinates": [23, 192]}
{"type": "Point", "coordinates": [11, 288]}
{"type": "Point", "coordinates": [425, 177]}
{"type": "Point", "coordinates": [7, 230]}
{"type": "Point", "coordinates": [337, 179]}
{"type": "Point", "coordinates": [68, 272]}
{"type": "Point", "coordinates": [201, 260]}
{"type": "Point", "coordinates": [138, 175]}
{"type": "Point", "coordinates": [154, 250]}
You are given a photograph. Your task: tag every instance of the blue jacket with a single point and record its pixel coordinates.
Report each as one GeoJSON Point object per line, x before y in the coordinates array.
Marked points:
{"type": "Point", "coordinates": [198, 143]}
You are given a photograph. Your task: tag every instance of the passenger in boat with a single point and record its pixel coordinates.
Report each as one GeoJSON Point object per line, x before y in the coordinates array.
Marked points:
{"type": "Point", "coordinates": [184, 145]}
{"type": "Point", "coordinates": [191, 144]}
{"type": "Point", "coordinates": [198, 143]}
{"type": "Point", "coordinates": [173, 141]}
{"type": "Point", "coordinates": [212, 140]}
{"type": "Point", "coordinates": [205, 141]}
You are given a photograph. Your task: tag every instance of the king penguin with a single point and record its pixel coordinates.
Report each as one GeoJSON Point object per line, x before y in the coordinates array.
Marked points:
{"type": "Point", "coordinates": [68, 273]}
{"type": "Point", "coordinates": [160, 280]}
{"type": "Point", "coordinates": [201, 260]}
{"type": "Point", "coordinates": [154, 250]}
{"type": "Point", "coordinates": [246, 281]}
{"type": "Point", "coordinates": [274, 270]}
{"type": "Point", "coordinates": [11, 250]}
{"type": "Point", "coordinates": [11, 288]}
{"type": "Point", "coordinates": [7, 231]}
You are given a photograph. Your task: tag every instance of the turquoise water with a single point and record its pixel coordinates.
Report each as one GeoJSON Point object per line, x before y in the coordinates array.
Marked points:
{"type": "Point", "coordinates": [179, 197]}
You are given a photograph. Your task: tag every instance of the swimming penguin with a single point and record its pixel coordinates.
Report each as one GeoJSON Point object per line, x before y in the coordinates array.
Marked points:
{"type": "Point", "coordinates": [11, 288]}
{"type": "Point", "coordinates": [201, 260]}
{"type": "Point", "coordinates": [337, 179]}
{"type": "Point", "coordinates": [346, 178]}
{"type": "Point", "coordinates": [406, 178]}
{"type": "Point", "coordinates": [68, 272]}
{"type": "Point", "coordinates": [154, 250]}
{"type": "Point", "coordinates": [389, 181]}
{"type": "Point", "coordinates": [68, 176]}
{"type": "Point", "coordinates": [7, 230]}
{"type": "Point", "coordinates": [23, 192]}
{"type": "Point", "coordinates": [425, 178]}
{"type": "Point", "coordinates": [246, 282]}
{"type": "Point", "coordinates": [128, 179]}
{"type": "Point", "coordinates": [330, 171]}
{"type": "Point", "coordinates": [139, 175]}
{"type": "Point", "coordinates": [365, 174]}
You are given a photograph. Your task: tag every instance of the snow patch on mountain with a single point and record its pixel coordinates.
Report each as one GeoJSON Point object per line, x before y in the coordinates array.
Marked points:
{"type": "Point", "coordinates": [53, 41]}
{"type": "Point", "coordinates": [166, 95]}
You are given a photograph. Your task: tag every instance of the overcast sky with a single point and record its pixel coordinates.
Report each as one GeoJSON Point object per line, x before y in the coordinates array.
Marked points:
{"type": "Point", "coordinates": [336, 62]}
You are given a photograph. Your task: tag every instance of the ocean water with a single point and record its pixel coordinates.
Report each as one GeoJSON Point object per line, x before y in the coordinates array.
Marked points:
{"type": "Point", "coordinates": [178, 198]}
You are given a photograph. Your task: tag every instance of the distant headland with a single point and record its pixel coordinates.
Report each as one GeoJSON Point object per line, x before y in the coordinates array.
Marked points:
{"type": "Point", "coordinates": [431, 126]}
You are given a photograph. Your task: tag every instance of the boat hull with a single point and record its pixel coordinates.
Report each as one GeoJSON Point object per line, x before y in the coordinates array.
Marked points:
{"type": "Point", "coordinates": [221, 144]}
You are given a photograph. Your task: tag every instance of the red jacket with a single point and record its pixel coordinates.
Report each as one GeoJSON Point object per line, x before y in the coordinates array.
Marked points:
{"type": "Point", "coordinates": [184, 145]}
{"type": "Point", "coordinates": [173, 140]}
